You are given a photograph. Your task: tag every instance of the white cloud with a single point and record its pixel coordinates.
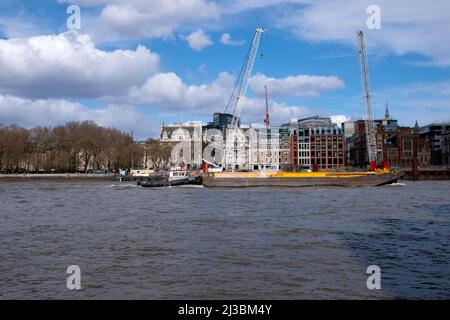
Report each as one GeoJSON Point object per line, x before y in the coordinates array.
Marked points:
{"type": "Point", "coordinates": [50, 112]}
{"type": "Point", "coordinates": [18, 27]}
{"type": "Point", "coordinates": [303, 86]}
{"type": "Point", "coordinates": [226, 40]}
{"type": "Point", "coordinates": [407, 26]}
{"type": "Point", "coordinates": [417, 27]}
{"type": "Point", "coordinates": [69, 65]}
{"type": "Point", "coordinates": [168, 91]}
{"type": "Point", "coordinates": [85, 2]}
{"type": "Point", "coordinates": [198, 40]}
{"type": "Point", "coordinates": [203, 69]}
{"type": "Point", "coordinates": [236, 6]}
{"type": "Point", "coordinates": [136, 19]}
{"type": "Point", "coordinates": [339, 119]}
{"type": "Point", "coordinates": [254, 111]}
{"type": "Point", "coordinates": [425, 102]}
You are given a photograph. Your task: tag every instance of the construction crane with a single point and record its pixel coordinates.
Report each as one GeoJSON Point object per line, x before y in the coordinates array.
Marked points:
{"type": "Point", "coordinates": [367, 100]}
{"type": "Point", "coordinates": [240, 90]}
{"type": "Point", "coordinates": [267, 119]}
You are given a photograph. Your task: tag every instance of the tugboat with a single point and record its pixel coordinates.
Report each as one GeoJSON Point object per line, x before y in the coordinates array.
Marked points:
{"type": "Point", "coordinates": [154, 182]}
{"type": "Point", "coordinates": [176, 177]}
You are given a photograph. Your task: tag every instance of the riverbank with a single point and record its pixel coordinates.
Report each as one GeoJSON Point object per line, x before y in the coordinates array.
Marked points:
{"type": "Point", "coordinates": [424, 174]}
{"type": "Point", "coordinates": [429, 174]}
{"type": "Point", "coordinates": [58, 176]}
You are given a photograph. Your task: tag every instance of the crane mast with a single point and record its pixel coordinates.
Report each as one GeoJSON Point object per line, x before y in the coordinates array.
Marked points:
{"type": "Point", "coordinates": [367, 100]}
{"type": "Point", "coordinates": [235, 152]}
{"type": "Point", "coordinates": [267, 119]}
{"type": "Point", "coordinates": [248, 68]}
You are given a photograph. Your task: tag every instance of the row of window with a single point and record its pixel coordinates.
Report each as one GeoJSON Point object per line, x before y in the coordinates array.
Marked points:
{"type": "Point", "coordinates": [327, 138]}
{"type": "Point", "coordinates": [304, 161]}
{"type": "Point", "coordinates": [324, 146]}
{"type": "Point", "coordinates": [317, 131]}
{"type": "Point", "coordinates": [303, 154]}
{"type": "Point", "coordinates": [330, 154]}
{"type": "Point", "coordinates": [333, 161]}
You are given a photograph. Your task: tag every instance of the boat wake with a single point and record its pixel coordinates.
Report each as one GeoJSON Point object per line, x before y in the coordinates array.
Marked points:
{"type": "Point", "coordinates": [189, 186]}
{"type": "Point", "coordinates": [397, 184]}
{"type": "Point", "coordinates": [122, 186]}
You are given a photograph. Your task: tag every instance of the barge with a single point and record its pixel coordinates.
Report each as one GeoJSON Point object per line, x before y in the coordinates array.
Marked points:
{"type": "Point", "coordinates": [300, 179]}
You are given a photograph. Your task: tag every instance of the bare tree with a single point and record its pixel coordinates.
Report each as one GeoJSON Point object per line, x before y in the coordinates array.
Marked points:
{"type": "Point", "coordinates": [66, 148]}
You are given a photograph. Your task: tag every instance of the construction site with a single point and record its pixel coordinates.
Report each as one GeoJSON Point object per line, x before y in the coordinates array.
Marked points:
{"type": "Point", "coordinates": [311, 144]}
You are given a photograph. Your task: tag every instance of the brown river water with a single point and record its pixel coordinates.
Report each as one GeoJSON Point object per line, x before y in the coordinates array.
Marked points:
{"type": "Point", "coordinates": [200, 243]}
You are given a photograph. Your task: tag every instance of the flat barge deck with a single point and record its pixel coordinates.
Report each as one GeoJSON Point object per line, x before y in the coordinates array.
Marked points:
{"type": "Point", "coordinates": [299, 179]}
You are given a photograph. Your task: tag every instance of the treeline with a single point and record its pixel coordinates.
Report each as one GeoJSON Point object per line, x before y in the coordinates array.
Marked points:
{"type": "Point", "coordinates": [73, 147]}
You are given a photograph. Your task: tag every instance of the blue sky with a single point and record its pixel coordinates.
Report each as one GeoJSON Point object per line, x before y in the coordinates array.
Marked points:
{"type": "Point", "coordinates": [135, 64]}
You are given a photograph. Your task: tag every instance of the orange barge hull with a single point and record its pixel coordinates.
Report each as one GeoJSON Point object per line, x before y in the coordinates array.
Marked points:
{"type": "Point", "coordinates": [240, 181]}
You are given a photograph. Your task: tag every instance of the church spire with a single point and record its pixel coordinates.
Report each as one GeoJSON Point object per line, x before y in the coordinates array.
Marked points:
{"type": "Point", "coordinates": [386, 113]}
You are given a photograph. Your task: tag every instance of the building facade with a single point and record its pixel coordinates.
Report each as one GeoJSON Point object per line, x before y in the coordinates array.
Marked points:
{"type": "Point", "coordinates": [186, 140]}
{"type": "Point", "coordinates": [220, 121]}
{"type": "Point", "coordinates": [395, 144]}
{"type": "Point", "coordinates": [436, 134]}
{"type": "Point", "coordinates": [316, 143]}
{"type": "Point", "coordinates": [446, 148]}
{"type": "Point", "coordinates": [256, 149]}
{"type": "Point", "coordinates": [267, 150]}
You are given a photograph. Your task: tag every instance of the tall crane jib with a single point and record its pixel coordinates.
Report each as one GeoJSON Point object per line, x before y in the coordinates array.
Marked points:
{"type": "Point", "coordinates": [367, 100]}
{"type": "Point", "coordinates": [235, 153]}
{"type": "Point", "coordinates": [248, 68]}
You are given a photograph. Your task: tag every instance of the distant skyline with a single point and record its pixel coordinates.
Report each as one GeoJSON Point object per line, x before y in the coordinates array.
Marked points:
{"type": "Point", "coordinates": [135, 64]}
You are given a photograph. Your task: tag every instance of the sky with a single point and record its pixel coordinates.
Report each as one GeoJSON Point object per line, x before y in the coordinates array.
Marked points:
{"type": "Point", "coordinates": [136, 64]}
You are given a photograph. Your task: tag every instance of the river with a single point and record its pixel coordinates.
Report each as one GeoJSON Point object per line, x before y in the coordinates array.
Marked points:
{"type": "Point", "coordinates": [200, 243]}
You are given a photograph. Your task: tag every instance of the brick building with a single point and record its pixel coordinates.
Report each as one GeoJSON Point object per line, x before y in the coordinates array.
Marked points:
{"type": "Point", "coordinates": [395, 144]}
{"type": "Point", "coordinates": [437, 137]}
{"type": "Point", "coordinates": [316, 143]}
